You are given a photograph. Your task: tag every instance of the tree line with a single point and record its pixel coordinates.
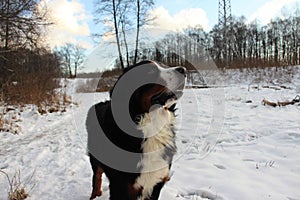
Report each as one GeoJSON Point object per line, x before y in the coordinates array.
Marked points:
{"type": "Point", "coordinates": [250, 45]}
{"type": "Point", "coordinates": [255, 45]}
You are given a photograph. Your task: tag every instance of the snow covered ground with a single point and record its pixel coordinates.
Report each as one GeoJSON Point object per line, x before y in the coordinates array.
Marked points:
{"type": "Point", "coordinates": [256, 155]}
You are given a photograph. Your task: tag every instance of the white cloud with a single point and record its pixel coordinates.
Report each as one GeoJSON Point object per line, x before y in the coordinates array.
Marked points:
{"type": "Point", "coordinates": [183, 19]}
{"type": "Point", "coordinates": [270, 10]}
{"type": "Point", "coordinates": [70, 23]}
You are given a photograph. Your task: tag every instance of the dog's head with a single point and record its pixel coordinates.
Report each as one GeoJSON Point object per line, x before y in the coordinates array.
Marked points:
{"type": "Point", "coordinates": [157, 86]}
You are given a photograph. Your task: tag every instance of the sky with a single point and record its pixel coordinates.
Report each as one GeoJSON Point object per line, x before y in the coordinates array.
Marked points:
{"type": "Point", "coordinates": [74, 19]}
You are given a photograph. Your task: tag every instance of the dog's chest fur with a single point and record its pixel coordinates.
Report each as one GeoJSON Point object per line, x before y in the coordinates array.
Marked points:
{"type": "Point", "coordinates": [158, 149]}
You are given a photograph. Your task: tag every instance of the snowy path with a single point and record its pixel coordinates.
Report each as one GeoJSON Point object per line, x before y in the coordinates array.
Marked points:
{"type": "Point", "coordinates": [256, 156]}
{"type": "Point", "coordinates": [54, 153]}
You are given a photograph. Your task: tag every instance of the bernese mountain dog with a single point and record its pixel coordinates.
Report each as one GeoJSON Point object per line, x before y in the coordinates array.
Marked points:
{"type": "Point", "coordinates": [131, 137]}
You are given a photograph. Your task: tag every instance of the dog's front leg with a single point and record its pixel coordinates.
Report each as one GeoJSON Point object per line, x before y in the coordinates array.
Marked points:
{"type": "Point", "coordinates": [97, 182]}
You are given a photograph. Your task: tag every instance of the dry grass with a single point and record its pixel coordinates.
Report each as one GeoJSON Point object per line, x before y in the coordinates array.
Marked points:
{"type": "Point", "coordinates": [17, 190]}
{"type": "Point", "coordinates": [57, 103]}
{"type": "Point", "coordinates": [30, 89]}
{"type": "Point", "coordinates": [251, 63]}
{"type": "Point", "coordinates": [112, 72]}
{"type": "Point", "coordinates": [38, 89]}
{"type": "Point", "coordinates": [8, 119]}
{"type": "Point", "coordinates": [1, 122]}
{"type": "Point", "coordinates": [1, 113]}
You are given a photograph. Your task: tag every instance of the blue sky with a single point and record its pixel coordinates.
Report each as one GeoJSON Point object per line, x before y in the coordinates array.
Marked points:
{"type": "Point", "coordinates": [74, 18]}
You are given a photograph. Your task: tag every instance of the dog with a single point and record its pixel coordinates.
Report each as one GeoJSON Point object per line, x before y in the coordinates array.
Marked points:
{"type": "Point", "coordinates": [135, 152]}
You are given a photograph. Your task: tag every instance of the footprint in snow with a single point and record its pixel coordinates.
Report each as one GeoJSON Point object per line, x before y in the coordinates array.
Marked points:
{"type": "Point", "coordinates": [202, 194]}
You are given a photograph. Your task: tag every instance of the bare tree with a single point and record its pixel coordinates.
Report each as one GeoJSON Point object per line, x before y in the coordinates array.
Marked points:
{"type": "Point", "coordinates": [21, 23]}
{"type": "Point", "coordinates": [125, 16]}
{"type": "Point", "coordinates": [125, 25]}
{"type": "Point", "coordinates": [72, 57]}
{"type": "Point", "coordinates": [22, 26]}
{"type": "Point", "coordinates": [142, 7]}
{"type": "Point", "coordinates": [78, 56]}
{"type": "Point", "coordinates": [109, 11]}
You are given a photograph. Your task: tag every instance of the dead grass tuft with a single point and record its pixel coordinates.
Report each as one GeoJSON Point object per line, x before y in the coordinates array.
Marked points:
{"type": "Point", "coordinates": [17, 190]}
{"type": "Point", "coordinates": [1, 122]}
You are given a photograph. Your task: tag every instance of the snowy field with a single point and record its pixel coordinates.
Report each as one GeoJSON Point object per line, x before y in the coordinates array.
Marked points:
{"type": "Point", "coordinates": [253, 155]}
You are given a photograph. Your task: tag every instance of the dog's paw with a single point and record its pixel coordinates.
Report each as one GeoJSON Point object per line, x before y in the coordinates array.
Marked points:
{"type": "Point", "coordinates": [96, 194]}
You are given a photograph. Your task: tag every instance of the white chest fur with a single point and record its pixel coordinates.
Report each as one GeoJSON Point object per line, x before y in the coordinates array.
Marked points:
{"type": "Point", "coordinates": [157, 129]}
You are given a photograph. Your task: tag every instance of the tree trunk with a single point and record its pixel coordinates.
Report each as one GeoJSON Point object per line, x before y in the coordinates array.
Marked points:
{"type": "Point", "coordinates": [117, 34]}
{"type": "Point", "coordinates": [75, 69]}
{"type": "Point", "coordinates": [7, 25]}
{"type": "Point", "coordinates": [70, 71]}
{"type": "Point", "coordinates": [137, 32]}
{"type": "Point", "coordinates": [125, 42]}
{"type": "Point", "coordinates": [5, 65]}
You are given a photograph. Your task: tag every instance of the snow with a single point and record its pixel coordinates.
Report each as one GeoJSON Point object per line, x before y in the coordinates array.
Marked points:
{"type": "Point", "coordinates": [252, 155]}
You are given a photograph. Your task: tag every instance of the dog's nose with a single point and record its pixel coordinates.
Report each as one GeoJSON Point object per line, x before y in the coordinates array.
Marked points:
{"type": "Point", "coordinates": [181, 70]}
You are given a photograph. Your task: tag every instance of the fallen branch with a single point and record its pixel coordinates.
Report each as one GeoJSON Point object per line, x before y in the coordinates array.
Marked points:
{"type": "Point", "coordinates": [296, 99]}
{"type": "Point", "coordinates": [269, 103]}
{"type": "Point", "coordinates": [283, 103]}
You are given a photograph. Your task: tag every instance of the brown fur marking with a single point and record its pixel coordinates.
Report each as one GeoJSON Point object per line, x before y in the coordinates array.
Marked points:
{"type": "Point", "coordinates": [166, 179]}
{"type": "Point", "coordinates": [134, 192]}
